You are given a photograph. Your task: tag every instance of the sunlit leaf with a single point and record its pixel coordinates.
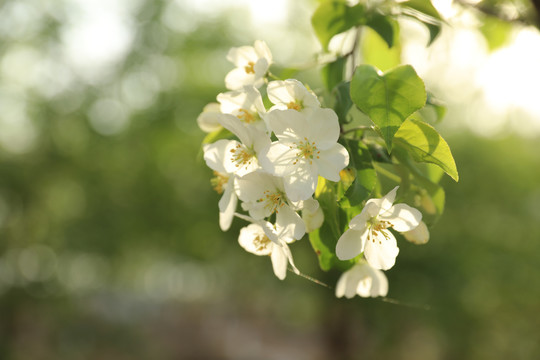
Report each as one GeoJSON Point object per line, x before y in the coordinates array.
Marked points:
{"type": "Point", "coordinates": [365, 177]}
{"type": "Point", "coordinates": [426, 145]}
{"type": "Point", "coordinates": [388, 99]}
{"type": "Point", "coordinates": [425, 7]}
{"type": "Point", "coordinates": [384, 26]}
{"type": "Point", "coordinates": [332, 73]}
{"type": "Point", "coordinates": [375, 50]}
{"type": "Point", "coordinates": [334, 17]}
{"type": "Point", "coordinates": [343, 101]}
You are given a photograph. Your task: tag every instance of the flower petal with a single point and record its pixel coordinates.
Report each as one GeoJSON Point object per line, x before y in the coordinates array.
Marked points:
{"type": "Point", "coordinates": [301, 184]}
{"type": "Point", "coordinates": [380, 283]}
{"type": "Point", "coordinates": [402, 217]}
{"type": "Point", "coordinates": [239, 159]}
{"type": "Point", "coordinates": [381, 250]}
{"type": "Point", "coordinates": [279, 261]}
{"type": "Point", "coordinates": [237, 78]}
{"type": "Point", "coordinates": [350, 244]}
{"type": "Point", "coordinates": [323, 127]}
{"type": "Point", "coordinates": [289, 224]}
{"type": "Point", "coordinates": [419, 235]}
{"type": "Point", "coordinates": [332, 161]}
{"type": "Point", "coordinates": [278, 159]}
{"type": "Point", "coordinates": [359, 222]}
{"type": "Point", "coordinates": [247, 238]}
{"type": "Point", "coordinates": [347, 284]}
{"type": "Point", "coordinates": [237, 127]}
{"type": "Point", "coordinates": [227, 206]}
{"type": "Point", "coordinates": [215, 154]}
{"type": "Point", "coordinates": [290, 126]}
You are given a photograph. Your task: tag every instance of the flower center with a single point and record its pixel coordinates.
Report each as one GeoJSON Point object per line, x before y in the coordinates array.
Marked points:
{"type": "Point", "coordinates": [218, 182]}
{"type": "Point", "coordinates": [307, 150]}
{"type": "Point", "coordinates": [295, 105]}
{"type": "Point", "coordinates": [249, 68]}
{"type": "Point", "coordinates": [377, 226]}
{"type": "Point", "coordinates": [272, 200]}
{"type": "Point", "coordinates": [246, 116]}
{"type": "Point", "coordinates": [241, 156]}
{"type": "Point", "coordinates": [261, 242]}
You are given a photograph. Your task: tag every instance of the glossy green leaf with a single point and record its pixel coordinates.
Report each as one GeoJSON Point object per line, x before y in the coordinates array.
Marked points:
{"type": "Point", "coordinates": [365, 177]}
{"type": "Point", "coordinates": [332, 73]}
{"type": "Point", "coordinates": [343, 101]}
{"type": "Point", "coordinates": [375, 50]}
{"type": "Point", "coordinates": [384, 26]}
{"type": "Point", "coordinates": [388, 99]}
{"type": "Point", "coordinates": [425, 7]}
{"type": "Point", "coordinates": [334, 17]}
{"type": "Point", "coordinates": [426, 145]}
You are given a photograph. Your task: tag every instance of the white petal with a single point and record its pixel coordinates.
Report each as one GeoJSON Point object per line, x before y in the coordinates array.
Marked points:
{"type": "Point", "coordinates": [388, 199]}
{"type": "Point", "coordinates": [237, 127]}
{"type": "Point", "coordinates": [419, 235]}
{"type": "Point", "coordinates": [237, 78]}
{"type": "Point", "coordinates": [279, 261]}
{"type": "Point", "coordinates": [247, 236]}
{"type": "Point", "coordinates": [208, 119]}
{"type": "Point", "coordinates": [380, 283]}
{"type": "Point", "coordinates": [290, 126]}
{"type": "Point", "coordinates": [289, 224]}
{"type": "Point", "coordinates": [215, 155]}
{"type": "Point", "coordinates": [346, 285]}
{"type": "Point", "coordinates": [278, 159]}
{"type": "Point", "coordinates": [332, 161]}
{"type": "Point", "coordinates": [323, 127]}
{"type": "Point", "coordinates": [359, 222]}
{"type": "Point", "coordinates": [310, 205]}
{"type": "Point", "coordinates": [313, 220]}
{"type": "Point", "coordinates": [251, 189]}
{"type": "Point", "coordinates": [249, 164]}
{"type": "Point", "coordinates": [301, 184]}
{"type": "Point", "coordinates": [278, 92]}
{"type": "Point", "coordinates": [350, 244]}
{"type": "Point", "coordinates": [381, 250]}
{"type": "Point", "coordinates": [241, 56]}
{"type": "Point", "coordinates": [227, 206]}
{"type": "Point", "coordinates": [402, 217]}
{"type": "Point", "coordinates": [262, 50]}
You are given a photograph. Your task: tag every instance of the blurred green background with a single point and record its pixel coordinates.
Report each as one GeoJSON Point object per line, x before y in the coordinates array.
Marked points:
{"type": "Point", "coordinates": [109, 242]}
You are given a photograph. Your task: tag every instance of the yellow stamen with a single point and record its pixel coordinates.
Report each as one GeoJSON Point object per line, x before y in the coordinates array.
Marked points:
{"type": "Point", "coordinates": [249, 68]}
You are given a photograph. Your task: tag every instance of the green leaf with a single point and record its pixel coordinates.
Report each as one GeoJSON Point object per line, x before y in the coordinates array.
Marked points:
{"type": "Point", "coordinates": [388, 99]}
{"type": "Point", "coordinates": [384, 26]}
{"type": "Point", "coordinates": [343, 101]}
{"type": "Point", "coordinates": [217, 135]}
{"type": "Point", "coordinates": [425, 7]}
{"type": "Point", "coordinates": [334, 17]}
{"type": "Point", "coordinates": [496, 32]}
{"type": "Point", "coordinates": [332, 73]}
{"type": "Point", "coordinates": [375, 50]}
{"type": "Point", "coordinates": [434, 31]}
{"type": "Point", "coordinates": [426, 145]}
{"type": "Point", "coordinates": [324, 239]}
{"type": "Point", "coordinates": [365, 178]}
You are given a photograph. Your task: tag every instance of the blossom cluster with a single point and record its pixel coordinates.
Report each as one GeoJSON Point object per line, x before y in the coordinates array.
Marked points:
{"type": "Point", "coordinates": [273, 165]}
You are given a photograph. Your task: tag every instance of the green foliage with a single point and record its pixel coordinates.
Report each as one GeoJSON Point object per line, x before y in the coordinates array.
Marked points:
{"type": "Point", "coordinates": [426, 145]}
{"type": "Point", "coordinates": [388, 99]}
{"type": "Point", "coordinates": [334, 17]}
{"type": "Point", "coordinates": [332, 73]}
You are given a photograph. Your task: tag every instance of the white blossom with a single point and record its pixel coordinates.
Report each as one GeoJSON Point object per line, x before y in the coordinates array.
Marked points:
{"type": "Point", "coordinates": [208, 119]}
{"type": "Point", "coordinates": [245, 104]}
{"type": "Point", "coordinates": [291, 94]}
{"type": "Point", "coordinates": [241, 156]}
{"type": "Point", "coordinates": [312, 215]}
{"type": "Point", "coordinates": [419, 235]}
{"type": "Point", "coordinates": [223, 182]}
{"type": "Point", "coordinates": [252, 63]}
{"type": "Point", "coordinates": [362, 280]}
{"type": "Point", "coordinates": [263, 195]}
{"type": "Point", "coordinates": [306, 148]}
{"type": "Point", "coordinates": [368, 231]}
{"type": "Point", "coordinates": [263, 238]}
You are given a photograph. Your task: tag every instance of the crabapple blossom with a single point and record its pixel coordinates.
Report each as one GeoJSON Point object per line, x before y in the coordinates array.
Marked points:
{"type": "Point", "coordinates": [252, 63]}
{"type": "Point", "coordinates": [263, 238]}
{"type": "Point", "coordinates": [241, 156]}
{"type": "Point", "coordinates": [306, 148]}
{"type": "Point", "coordinates": [363, 280]}
{"type": "Point", "coordinates": [419, 235]}
{"type": "Point", "coordinates": [263, 194]}
{"type": "Point", "coordinates": [291, 94]}
{"type": "Point", "coordinates": [245, 104]}
{"type": "Point", "coordinates": [223, 182]}
{"type": "Point", "coordinates": [208, 119]}
{"type": "Point", "coordinates": [312, 215]}
{"type": "Point", "coordinates": [368, 231]}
